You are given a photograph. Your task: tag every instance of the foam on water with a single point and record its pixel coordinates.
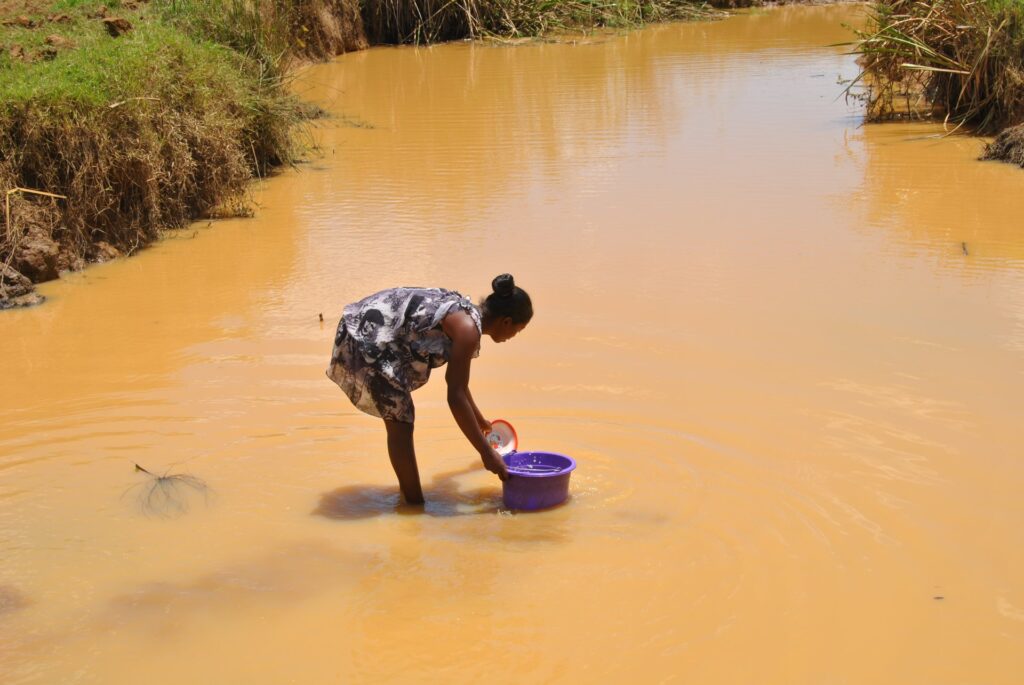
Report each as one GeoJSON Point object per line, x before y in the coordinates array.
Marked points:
{"type": "Point", "coordinates": [535, 469]}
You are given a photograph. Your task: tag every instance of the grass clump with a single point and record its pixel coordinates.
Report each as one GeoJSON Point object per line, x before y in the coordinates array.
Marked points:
{"type": "Point", "coordinates": [963, 59]}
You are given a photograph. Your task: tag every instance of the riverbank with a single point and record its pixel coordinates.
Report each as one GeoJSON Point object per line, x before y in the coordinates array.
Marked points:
{"type": "Point", "coordinates": [961, 60]}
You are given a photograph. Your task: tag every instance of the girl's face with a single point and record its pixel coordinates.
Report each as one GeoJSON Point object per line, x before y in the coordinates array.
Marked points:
{"type": "Point", "coordinates": [505, 329]}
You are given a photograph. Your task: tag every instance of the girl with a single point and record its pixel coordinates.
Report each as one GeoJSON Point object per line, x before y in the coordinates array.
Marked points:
{"type": "Point", "coordinates": [387, 344]}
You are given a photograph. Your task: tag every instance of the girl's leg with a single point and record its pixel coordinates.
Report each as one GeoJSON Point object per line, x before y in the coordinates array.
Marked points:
{"type": "Point", "coordinates": [403, 460]}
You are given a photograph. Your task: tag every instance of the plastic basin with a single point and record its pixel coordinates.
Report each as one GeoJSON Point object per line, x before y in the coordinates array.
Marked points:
{"type": "Point", "coordinates": [537, 480]}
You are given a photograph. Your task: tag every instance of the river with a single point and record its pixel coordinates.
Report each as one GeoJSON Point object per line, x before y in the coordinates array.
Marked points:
{"type": "Point", "coordinates": [786, 349]}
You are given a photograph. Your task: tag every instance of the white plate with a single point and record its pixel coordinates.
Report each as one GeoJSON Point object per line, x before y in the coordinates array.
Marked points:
{"type": "Point", "coordinates": [503, 437]}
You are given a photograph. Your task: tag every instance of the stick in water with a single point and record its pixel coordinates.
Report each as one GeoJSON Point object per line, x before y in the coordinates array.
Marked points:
{"type": "Point", "coordinates": [167, 495]}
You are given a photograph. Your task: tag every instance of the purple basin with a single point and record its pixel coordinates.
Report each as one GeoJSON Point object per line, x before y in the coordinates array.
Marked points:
{"type": "Point", "coordinates": [537, 480]}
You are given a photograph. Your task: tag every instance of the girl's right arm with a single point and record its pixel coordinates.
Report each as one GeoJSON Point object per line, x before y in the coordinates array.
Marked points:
{"type": "Point", "coordinates": [459, 327]}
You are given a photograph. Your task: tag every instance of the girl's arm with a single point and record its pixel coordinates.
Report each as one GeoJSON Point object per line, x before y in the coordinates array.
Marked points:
{"type": "Point", "coordinates": [459, 327]}
{"type": "Point", "coordinates": [483, 423]}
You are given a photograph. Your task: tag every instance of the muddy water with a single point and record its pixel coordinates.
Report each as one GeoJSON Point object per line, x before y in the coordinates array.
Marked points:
{"type": "Point", "coordinates": [794, 398]}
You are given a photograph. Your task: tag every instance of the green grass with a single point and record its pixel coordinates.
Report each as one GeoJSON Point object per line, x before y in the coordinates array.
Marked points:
{"type": "Point", "coordinates": [159, 65]}
{"type": "Point", "coordinates": [224, 37]}
{"type": "Point", "coordinates": [150, 61]}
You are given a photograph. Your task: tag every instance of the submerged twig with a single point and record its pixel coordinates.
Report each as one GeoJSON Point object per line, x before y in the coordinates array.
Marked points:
{"type": "Point", "coordinates": [167, 495]}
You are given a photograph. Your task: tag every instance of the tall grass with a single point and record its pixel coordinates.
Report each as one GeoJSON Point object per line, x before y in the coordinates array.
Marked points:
{"type": "Point", "coordinates": [259, 29]}
{"type": "Point", "coordinates": [962, 58]}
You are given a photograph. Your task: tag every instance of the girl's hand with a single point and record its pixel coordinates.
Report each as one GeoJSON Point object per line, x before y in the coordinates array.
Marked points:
{"type": "Point", "coordinates": [494, 463]}
{"type": "Point", "coordinates": [485, 425]}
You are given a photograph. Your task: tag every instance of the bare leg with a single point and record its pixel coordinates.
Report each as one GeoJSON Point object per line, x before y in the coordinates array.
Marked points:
{"type": "Point", "coordinates": [403, 460]}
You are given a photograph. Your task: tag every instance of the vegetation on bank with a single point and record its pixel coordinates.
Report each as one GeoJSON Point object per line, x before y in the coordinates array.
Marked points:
{"type": "Point", "coordinates": [425, 21]}
{"type": "Point", "coordinates": [136, 116]}
{"type": "Point", "coordinates": [962, 60]}
{"type": "Point", "coordinates": [139, 120]}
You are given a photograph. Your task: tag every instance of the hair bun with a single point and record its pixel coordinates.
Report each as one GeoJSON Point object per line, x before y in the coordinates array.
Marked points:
{"type": "Point", "coordinates": [504, 285]}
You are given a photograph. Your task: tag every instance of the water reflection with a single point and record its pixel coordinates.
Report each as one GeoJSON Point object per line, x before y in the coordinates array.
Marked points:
{"type": "Point", "coordinates": [962, 214]}
{"type": "Point", "coordinates": [454, 135]}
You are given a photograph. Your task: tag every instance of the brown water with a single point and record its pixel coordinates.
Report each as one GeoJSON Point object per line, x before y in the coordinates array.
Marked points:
{"type": "Point", "coordinates": [795, 402]}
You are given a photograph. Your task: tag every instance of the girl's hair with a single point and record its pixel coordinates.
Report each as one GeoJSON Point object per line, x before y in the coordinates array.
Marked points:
{"type": "Point", "coordinates": [507, 300]}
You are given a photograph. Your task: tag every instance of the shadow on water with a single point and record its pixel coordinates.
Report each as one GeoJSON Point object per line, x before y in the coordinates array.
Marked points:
{"type": "Point", "coordinates": [444, 497]}
{"type": "Point", "coordinates": [11, 599]}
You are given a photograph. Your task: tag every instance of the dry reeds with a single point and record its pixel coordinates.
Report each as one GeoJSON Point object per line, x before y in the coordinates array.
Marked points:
{"type": "Point", "coordinates": [427, 21]}
{"type": "Point", "coordinates": [963, 58]}
{"type": "Point", "coordinates": [323, 28]}
{"type": "Point", "coordinates": [129, 173]}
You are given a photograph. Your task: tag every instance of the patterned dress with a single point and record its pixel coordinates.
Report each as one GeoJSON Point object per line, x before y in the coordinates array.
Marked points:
{"type": "Point", "coordinates": [387, 344]}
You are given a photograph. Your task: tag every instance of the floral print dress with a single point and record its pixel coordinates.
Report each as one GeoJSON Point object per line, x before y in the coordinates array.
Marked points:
{"type": "Point", "coordinates": [387, 344]}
